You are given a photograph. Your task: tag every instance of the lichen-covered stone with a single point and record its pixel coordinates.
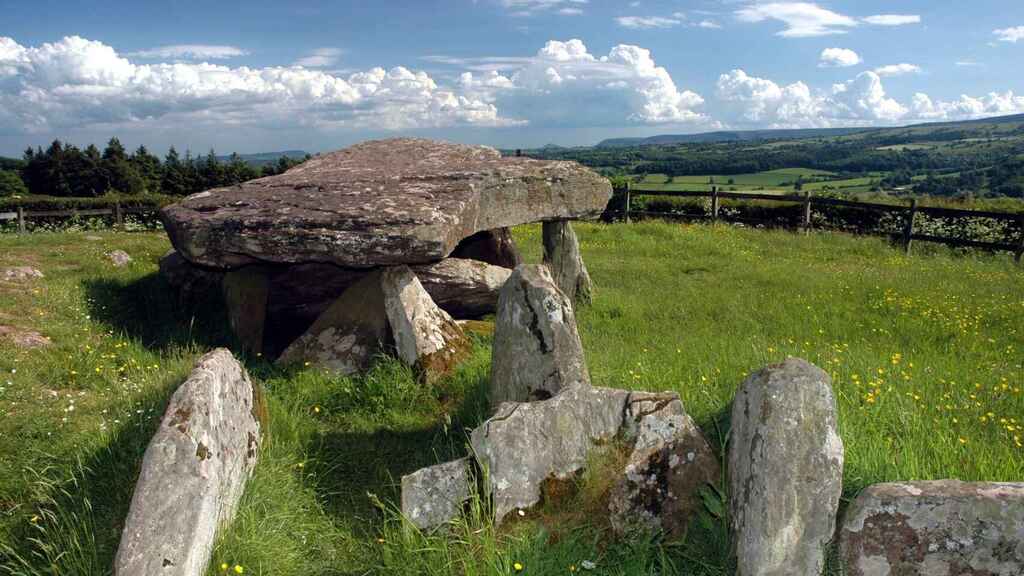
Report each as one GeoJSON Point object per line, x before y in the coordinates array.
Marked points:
{"type": "Point", "coordinates": [537, 349]}
{"type": "Point", "coordinates": [380, 203]}
{"type": "Point", "coordinates": [119, 258]}
{"type": "Point", "coordinates": [425, 337]}
{"type": "Point", "coordinates": [525, 444]}
{"type": "Point", "coordinates": [562, 256]}
{"type": "Point", "coordinates": [935, 528]}
{"type": "Point", "coordinates": [246, 291]}
{"type": "Point", "coordinates": [23, 338]}
{"type": "Point", "coordinates": [670, 462]}
{"type": "Point", "coordinates": [194, 471]}
{"type": "Point", "coordinates": [21, 274]}
{"type": "Point", "coordinates": [495, 247]}
{"type": "Point", "coordinates": [461, 287]}
{"type": "Point", "coordinates": [785, 470]}
{"type": "Point", "coordinates": [434, 496]}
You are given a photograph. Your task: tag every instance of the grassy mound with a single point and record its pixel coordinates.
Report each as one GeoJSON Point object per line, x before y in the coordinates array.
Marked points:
{"type": "Point", "coordinates": [925, 353]}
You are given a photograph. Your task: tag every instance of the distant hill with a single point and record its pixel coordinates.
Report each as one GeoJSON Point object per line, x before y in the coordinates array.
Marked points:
{"type": "Point", "coordinates": [751, 135]}
{"type": "Point", "coordinates": [263, 158]}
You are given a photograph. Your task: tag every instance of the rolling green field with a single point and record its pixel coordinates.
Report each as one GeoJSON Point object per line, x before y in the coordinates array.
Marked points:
{"type": "Point", "coordinates": [773, 181]}
{"type": "Point", "coordinates": [924, 352]}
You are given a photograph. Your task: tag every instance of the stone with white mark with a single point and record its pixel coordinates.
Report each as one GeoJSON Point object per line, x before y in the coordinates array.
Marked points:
{"type": "Point", "coordinates": [785, 470]}
{"type": "Point", "coordinates": [194, 471]}
{"type": "Point", "coordinates": [434, 496]}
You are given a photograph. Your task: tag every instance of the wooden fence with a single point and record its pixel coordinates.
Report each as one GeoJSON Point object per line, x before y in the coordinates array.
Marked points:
{"type": "Point", "coordinates": [117, 211]}
{"type": "Point", "coordinates": [808, 201]}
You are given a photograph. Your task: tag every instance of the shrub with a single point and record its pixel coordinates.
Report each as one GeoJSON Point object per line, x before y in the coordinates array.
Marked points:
{"type": "Point", "coordinates": [11, 184]}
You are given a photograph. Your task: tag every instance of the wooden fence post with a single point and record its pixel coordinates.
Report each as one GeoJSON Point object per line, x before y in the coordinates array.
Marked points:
{"type": "Point", "coordinates": [714, 203]}
{"type": "Point", "coordinates": [21, 220]}
{"type": "Point", "coordinates": [807, 211]}
{"type": "Point", "coordinates": [627, 202]}
{"type": "Point", "coordinates": [908, 227]}
{"type": "Point", "coordinates": [118, 215]}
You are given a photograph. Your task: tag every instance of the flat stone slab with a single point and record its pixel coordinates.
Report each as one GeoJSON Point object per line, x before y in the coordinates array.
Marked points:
{"type": "Point", "coordinates": [935, 528]}
{"type": "Point", "coordinates": [20, 274]}
{"type": "Point", "coordinates": [434, 496]}
{"type": "Point", "coordinates": [379, 203]}
{"type": "Point", "coordinates": [23, 338]}
{"type": "Point", "coordinates": [194, 471]}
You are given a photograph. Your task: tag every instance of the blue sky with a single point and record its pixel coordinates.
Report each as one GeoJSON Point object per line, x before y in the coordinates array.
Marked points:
{"type": "Point", "coordinates": [262, 75]}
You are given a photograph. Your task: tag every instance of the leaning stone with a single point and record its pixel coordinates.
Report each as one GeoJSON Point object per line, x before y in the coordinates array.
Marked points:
{"type": "Point", "coordinates": [537, 349]}
{"type": "Point", "coordinates": [463, 288]}
{"type": "Point", "coordinates": [785, 470]}
{"type": "Point", "coordinates": [119, 258]}
{"type": "Point", "coordinates": [23, 338]}
{"type": "Point", "coordinates": [194, 471]}
{"type": "Point", "coordinates": [347, 336]}
{"type": "Point", "coordinates": [562, 256]}
{"type": "Point", "coordinates": [525, 444]}
{"type": "Point", "coordinates": [496, 247]}
{"type": "Point", "coordinates": [669, 464]}
{"type": "Point", "coordinates": [380, 203]}
{"type": "Point", "coordinates": [434, 496]}
{"type": "Point", "coordinates": [245, 297]}
{"type": "Point", "coordinates": [21, 273]}
{"type": "Point", "coordinates": [425, 337]}
{"type": "Point", "coordinates": [940, 528]}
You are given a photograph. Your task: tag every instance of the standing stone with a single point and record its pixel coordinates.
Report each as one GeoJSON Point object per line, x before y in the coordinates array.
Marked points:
{"type": "Point", "coordinates": [425, 337]}
{"type": "Point", "coordinates": [347, 336]}
{"type": "Point", "coordinates": [495, 247]}
{"type": "Point", "coordinates": [194, 471]}
{"type": "Point", "coordinates": [537, 349]}
{"type": "Point", "coordinates": [525, 444]}
{"type": "Point", "coordinates": [669, 464]}
{"type": "Point", "coordinates": [119, 258]}
{"type": "Point", "coordinates": [562, 256]}
{"type": "Point", "coordinates": [937, 528]}
{"type": "Point", "coordinates": [245, 296]}
{"type": "Point", "coordinates": [785, 470]}
{"type": "Point", "coordinates": [463, 288]}
{"type": "Point", "coordinates": [434, 496]}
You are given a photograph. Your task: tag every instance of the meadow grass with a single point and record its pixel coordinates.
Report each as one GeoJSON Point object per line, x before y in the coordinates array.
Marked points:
{"type": "Point", "coordinates": [924, 351]}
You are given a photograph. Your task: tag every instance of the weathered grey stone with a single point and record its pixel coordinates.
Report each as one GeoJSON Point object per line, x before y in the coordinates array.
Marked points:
{"type": "Point", "coordinates": [402, 201]}
{"type": "Point", "coordinates": [347, 336]}
{"type": "Point", "coordinates": [21, 274]}
{"type": "Point", "coordinates": [537, 349]}
{"type": "Point", "coordinates": [562, 256]}
{"type": "Point", "coordinates": [194, 471]}
{"type": "Point", "coordinates": [425, 336]}
{"type": "Point", "coordinates": [245, 297]}
{"type": "Point", "coordinates": [496, 247]}
{"type": "Point", "coordinates": [785, 470]}
{"type": "Point", "coordinates": [669, 463]}
{"type": "Point", "coordinates": [191, 281]}
{"type": "Point", "coordinates": [524, 444]}
{"type": "Point", "coordinates": [434, 496]}
{"type": "Point", "coordinates": [938, 528]}
{"type": "Point", "coordinates": [23, 338]}
{"type": "Point", "coordinates": [388, 310]}
{"type": "Point", "coordinates": [119, 258]}
{"type": "Point", "coordinates": [463, 288]}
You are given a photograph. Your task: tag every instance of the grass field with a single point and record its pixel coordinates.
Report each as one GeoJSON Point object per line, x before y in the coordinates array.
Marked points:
{"type": "Point", "coordinates": [925, 353]}
{"type": "Point", "coordinates": [775, 181]}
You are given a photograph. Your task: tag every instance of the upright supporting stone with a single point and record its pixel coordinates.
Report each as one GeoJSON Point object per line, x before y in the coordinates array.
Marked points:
{"type": "Point", "coordinates": [245, 295]}
{"type": "Point", "coordinates": [785, 470]}
{"type": "Point", "coordinates": [537, 350]}
{"type": "Point", "coordinates": [562, 256]}
{"type": "Point", "coordinates": [194, 471]}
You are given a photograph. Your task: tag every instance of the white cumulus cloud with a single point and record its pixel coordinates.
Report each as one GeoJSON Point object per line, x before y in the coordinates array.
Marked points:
{"type": "Point", "coordinates": [893, 19]}
{"type": "Point", "coordinates": [838, 58]}
{"type": "Point", "coordinates": [1012, 35]}
{"type": "Point", "coordinates": [898, 69]}
{"type": "Point", "coordinates": [802, 19]}
{"type": "Point", "coordinates": [190, 52]}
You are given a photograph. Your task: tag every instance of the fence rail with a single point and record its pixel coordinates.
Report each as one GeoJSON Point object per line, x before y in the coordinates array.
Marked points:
{"type": "Point", "coordinates": [118, 212]}
{"type": "Point", "coordinates": [808, 201]}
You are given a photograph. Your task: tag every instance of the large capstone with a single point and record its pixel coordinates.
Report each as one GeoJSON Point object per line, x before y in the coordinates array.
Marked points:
{"type": "Point", "coordinates": [562, 256]}
{"type": "Point", "coordinates": [194, 471]}
{"type": "Point", "coordinates": [434, 496]}
{"type": "Point", "coordinates": [785, 470]}
{"type": "Point", "coordinates": [936, 528]}
{"type": "Point", "coordinates": [379, 203]}
{"type": "Point", "coordinates": [537, 349]}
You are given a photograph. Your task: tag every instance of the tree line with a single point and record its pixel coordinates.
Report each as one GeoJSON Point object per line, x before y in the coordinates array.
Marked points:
{"type": "Point", "coordinates": [64, 170]}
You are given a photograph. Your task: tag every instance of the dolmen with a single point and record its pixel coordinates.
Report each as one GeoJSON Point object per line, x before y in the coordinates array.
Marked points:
{"type": "Point", "coordinates": [285, 250]}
